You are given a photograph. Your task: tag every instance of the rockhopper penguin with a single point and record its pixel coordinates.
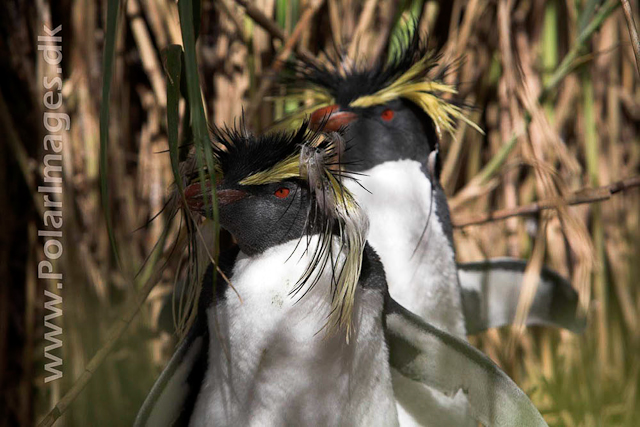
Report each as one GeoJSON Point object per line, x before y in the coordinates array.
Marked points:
{"type": "Point", "coordinates": [296, 336]}
{"type": "Point", "coordinates": [393, 115]}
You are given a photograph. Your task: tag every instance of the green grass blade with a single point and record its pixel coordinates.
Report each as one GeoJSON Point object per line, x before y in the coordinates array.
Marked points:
{"type": "Point", "coordinates": [197, 14]}
{"type": "Point", "coordinates": [173, 68]}
{"type": "Point", "coordinates": [568, 62]}
{"type": "Point", "coordinates": [113, 10]}
{"type": "Point", "coordinates": [199, 127]}
{"type": "Point", "coordinates": [586, 13]}
{"type": "Point", "coordinates": [287, 16]}
{"type": "Point", "coordinates": [407, 20]}
{"type": "Point", "coordinates": [198, 120]}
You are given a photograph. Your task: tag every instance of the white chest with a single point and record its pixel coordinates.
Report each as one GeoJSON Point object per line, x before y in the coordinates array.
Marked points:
{"type": "Point", "coordinates": [270, 361]}
{"type": "Point", "coordinates": [420, 265]}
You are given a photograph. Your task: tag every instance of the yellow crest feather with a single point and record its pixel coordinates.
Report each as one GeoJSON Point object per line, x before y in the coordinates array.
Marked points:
{"type": "Point", "coordinates": [422, 93]}
{"type": "Point", "coordinates": [286, 169]}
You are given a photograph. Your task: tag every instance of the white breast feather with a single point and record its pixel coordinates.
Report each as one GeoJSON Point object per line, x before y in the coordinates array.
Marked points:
{"type": "Point", "coordinates": [397, 198]}
{"type": "Point", "coordinates": [398, 202]}
{"type": "Point", "coordinates": [284, 370]}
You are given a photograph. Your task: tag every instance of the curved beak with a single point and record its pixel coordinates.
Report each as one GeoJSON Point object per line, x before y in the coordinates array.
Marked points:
{"type": "Point", "coordinates": [331, 117]}
{"type": "Point", "coordinates": [196, 202]}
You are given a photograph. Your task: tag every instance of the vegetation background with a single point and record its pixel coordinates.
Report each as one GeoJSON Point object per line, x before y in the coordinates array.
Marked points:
{"type": "Point", "coordinates": [555, 87]}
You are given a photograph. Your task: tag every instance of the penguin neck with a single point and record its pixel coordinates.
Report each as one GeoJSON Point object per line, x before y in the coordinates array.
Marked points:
{"type": "Point", "coordinates": [420, 264]}
{"type": "Point", "coordinates": [271, 344]}
{"type": "Point", "coordinates": [269, 279]}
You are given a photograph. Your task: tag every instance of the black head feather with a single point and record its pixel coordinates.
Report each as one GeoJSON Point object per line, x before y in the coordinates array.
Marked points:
{"type": "Point", "coordinates": [240, 154]}
{"type": "Point", "coordinates": [349, 79]}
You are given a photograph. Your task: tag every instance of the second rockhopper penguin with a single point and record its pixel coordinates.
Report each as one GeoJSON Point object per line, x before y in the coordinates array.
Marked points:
{"type": "Point", "coordinates": [393, 114]}
{"type": "Point", "coordinates": [296, 336]}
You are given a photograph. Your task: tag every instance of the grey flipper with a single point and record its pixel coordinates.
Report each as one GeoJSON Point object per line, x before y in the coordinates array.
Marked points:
{"type": "Point", "coordinates": [490, 292]}
{"type": "Point", "coordinates": [172, 397]}
{"type": "Point", "coordinates": [426, 354]}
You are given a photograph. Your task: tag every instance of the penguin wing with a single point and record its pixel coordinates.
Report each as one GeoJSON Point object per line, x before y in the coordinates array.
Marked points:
{"type": "Point", "coordinates": [491, 289]}
{"type": "Point", "coordinates": [439, 360]}
{"type": "Point", "coordinates": [172, 397]}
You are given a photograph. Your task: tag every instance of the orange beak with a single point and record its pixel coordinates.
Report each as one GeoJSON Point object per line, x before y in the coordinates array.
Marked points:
{"type": "Point", "coordinates": [195, 200]}
{"type": "Point", "coordinates": [332, 118]}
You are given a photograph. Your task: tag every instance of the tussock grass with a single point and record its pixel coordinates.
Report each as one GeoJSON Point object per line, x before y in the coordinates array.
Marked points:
{"type": "Point", "coordinates": [554, 86]}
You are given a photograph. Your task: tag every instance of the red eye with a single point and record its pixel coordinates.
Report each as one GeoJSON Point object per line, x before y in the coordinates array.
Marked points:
{"type": "Point", "coordinates": [387, 115]}
{"type": "Point", "coordinates": [281, 193]}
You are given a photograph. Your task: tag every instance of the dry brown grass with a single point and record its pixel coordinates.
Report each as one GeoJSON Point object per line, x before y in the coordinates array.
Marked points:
{"type": "Point", "coordinates": [583, 132]}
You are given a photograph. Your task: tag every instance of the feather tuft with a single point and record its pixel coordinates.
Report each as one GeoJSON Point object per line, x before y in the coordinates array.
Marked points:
{"type": "Point", "coordinates": [409, 74]}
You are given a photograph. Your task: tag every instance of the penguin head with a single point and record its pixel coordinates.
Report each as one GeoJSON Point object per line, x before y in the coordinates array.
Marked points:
{"type": "Point", "coordinates": [263, 187]}
{"type": "Point", "coordinates": [284, 186]}
{"type": "Point", "coordinates": [395, 130]}
{"type": "Point", "coordinates": [258, 216]}
{"type": "Point", "coordinates": [390, 110]}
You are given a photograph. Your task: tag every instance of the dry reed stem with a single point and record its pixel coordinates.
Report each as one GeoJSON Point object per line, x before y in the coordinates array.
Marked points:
{"type": "Point", "coordinates": [454, 47]}
{"type": "Point", "coordinates": [633, 31]}
{"type": "Point", "coordinates": [585, 195]}
{"type": "Point", "coordinates": [261, 19]}
{"type": "Point", "coordinates": [479, 184]}
{"type": "Point", "coordinates": [25, 163]}
{"type": "Point", "coordinates": [148, 56]}
{"type": "Point", "coordinates": [459, 36]}
{"type": "Point", "coordinates": [366, 17]}
{"type": "Point", "coordinates": [387, 18]}
{"type": "Point", "coordinates": [510, 114]}
{"type": "Point", "coordinates": [621, 273]}
{"type": "Point", "coordinates": [271, 27]}
{"type": "Point", "coordinates": [335, 22]}
{"type": "Point", "coordinates": [528, 290]}
{"type": "Point", "coordinates": [155, 17]}
{"type": "Point", "coordinates": [227, 8]}
{"type": "Point", "coordinates": [269, 76]}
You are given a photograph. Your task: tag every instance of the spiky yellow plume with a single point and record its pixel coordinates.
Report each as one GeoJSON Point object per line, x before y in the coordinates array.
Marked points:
{"type": "Point", "coordinates": [286, 169]}
{"type": "Point", "coordinates": [424, 93]}
{"type": "Point", "coordinates": [336, 202]}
